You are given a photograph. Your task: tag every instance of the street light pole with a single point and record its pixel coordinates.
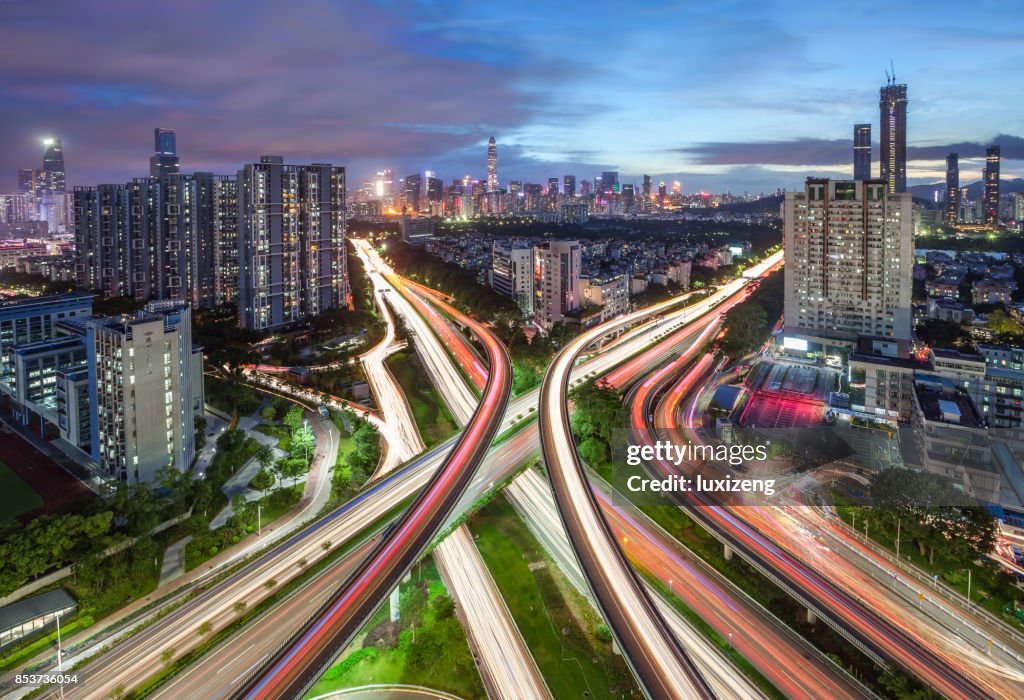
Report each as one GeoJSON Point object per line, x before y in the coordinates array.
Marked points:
{"type": "Point", "coordinates": [259, 519]}
{"type": "Point", "coordinates": [60, 661]}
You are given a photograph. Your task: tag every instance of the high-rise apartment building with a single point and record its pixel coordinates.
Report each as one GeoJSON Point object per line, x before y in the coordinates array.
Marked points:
{"type": "Point", "coordinates": [861, 151]}
{"type": "Point", "coordinates": [990, 197]}
{"type": "Point", "coordinates": [225, 238]}
{"type": "Point", "coordinates": [492, 166]}
{"type": "Point", "coordinates": [569, 186]}
{"type": "Point", "coordinates": [164, 160]}
{"type": "Point", "coordinates": [291, 241]}
{"type": "Point", "coordinates": [145, 388]}
{"type": "Point", "coordinates": [556, 284]}
{"type": "Point", "coordinates": [952, 204]}
{"type": "Point", "coordinates": [892, 105]}
{"type": "Point", "coordinates": [849, 259]}
{"type": "Point", "coordinates": [512, 273]}
{"type": "Point", "coordinates": [170, 237]}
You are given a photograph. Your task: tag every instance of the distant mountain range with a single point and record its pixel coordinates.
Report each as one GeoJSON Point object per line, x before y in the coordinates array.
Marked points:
{"type": "Point", "coordinates": [973, 190]}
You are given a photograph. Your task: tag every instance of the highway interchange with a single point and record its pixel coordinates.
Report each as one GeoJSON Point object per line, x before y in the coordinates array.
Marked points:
{"type": "Point", "coordinates": [669, 659]}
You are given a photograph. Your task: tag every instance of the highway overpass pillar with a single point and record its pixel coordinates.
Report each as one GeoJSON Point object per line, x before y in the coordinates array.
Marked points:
{"type": "Point", "coordinates": [395, 604]}
{"type": "Point", "coordinates": [727, 552]}
{"type": "Point", "coordinates": [811, 617]}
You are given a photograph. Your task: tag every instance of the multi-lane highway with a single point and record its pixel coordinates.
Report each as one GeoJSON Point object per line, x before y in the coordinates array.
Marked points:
{"type": "Point", "coordinates": [507, 667]}
{"type": "Point", "coordinates": [660, 663]}
{"type": "Point", "coordinates": [295, 668]}
{"type": "Point", "coordinates": [852, 614]}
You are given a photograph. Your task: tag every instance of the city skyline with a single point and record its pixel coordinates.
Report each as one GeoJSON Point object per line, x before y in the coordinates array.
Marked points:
{"type": "Point", "coordinates": [432, 87]}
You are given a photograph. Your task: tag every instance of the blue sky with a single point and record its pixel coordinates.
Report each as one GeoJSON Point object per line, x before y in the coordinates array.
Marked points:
{"type": "Point", "coordinates": [720, 95]}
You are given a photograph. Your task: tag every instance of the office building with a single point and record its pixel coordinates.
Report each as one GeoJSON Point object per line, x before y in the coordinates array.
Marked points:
{"type": "Point", "coordinates": [990, 196]}
{"type": "Point", "coordinates": [849, 260]}
{"type": "Point", "coordinates": [512, 273]}
{"type": "Point", "coordinates": [53, 166]}
{"type": "Point", "coordinates": [569, 186]}
{"type": "Point", "coordinates": [164, 160]}
{"type": "Point", "coordinates": [419, 230]}
{"type": "Point", "coordinates": [892, 105]}
{"type": "Point", "coordinates": [861, 151]}
{"type": "Point", "coordinates": [610, 182]}
{"type": "Point", "coordinates": [556, 284]}
{"type": "Point", "coordinates": [952, 204]}
{"type": "Point", "coordinates": [124, 392]}
{"type": "Point", "coordinates": [413, 192]}
{"type": "Point", "coordinates": [291, 242]}
{"type": "Point", "coordinates": [646, 188]}
{"type": "Point", "coordinates": [628, 196]}
{"type": "Point", "coordinates": [27, 321]}
{"type": "Point", "coordinates": [492, 166]}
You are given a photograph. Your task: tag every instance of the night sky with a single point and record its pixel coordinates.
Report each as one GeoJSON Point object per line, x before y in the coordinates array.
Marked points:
{"type": "Point", "coordinates": [719, 95]}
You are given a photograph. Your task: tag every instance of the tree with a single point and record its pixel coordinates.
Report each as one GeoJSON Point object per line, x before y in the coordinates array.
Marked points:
{"type": "Point", "coordinates": [1002, 324]}
{"type": "Point", "coordinates": [269, 584]}
{"type": "Point", "coordinates": [293, 419]}
{"type": "Point", "coordinates": [933, 514]}
{"type": "Point", "coordinates": [303, 440]}
{"type": "Point", "coordinates": [240, 607]}
{"type": "Point", "coordinates": [204, 629]}
{"type": "Point", "coordinates": [167, 656]}
{"type": "Point", "coordinates": [267, 413]}
{"type": "Point", "coordinates": [746, 328]}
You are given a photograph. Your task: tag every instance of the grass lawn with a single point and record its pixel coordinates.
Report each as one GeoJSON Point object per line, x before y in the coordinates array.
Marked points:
{"type": "Point", "coordinates": [432, 415]}
{"type": "Point", "coordinates": [16, 497]}
{"type": "Point", "coordinates": [345, 446]}
{"type": "Point", "coordinates": [284, 439]}
{"type": "Point", "coordinates": [437, 657]}
{"type": "Point", "coordinates": [547, 610]}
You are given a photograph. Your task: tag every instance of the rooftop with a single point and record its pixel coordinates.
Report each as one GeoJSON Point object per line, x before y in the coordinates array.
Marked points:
{"type": "Point", "coordinates": [942, 402]}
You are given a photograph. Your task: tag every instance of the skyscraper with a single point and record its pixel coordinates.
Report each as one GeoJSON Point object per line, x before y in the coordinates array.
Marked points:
{"type": "Point", "coordinates": [892, 105]}
{"type": "Point", "coordinates": [952, 213]}
{"type": "Point", "coordinates": [492, 166]}
{"type": "Point", "coordinates": [53, 166]}
{"type": "Point", "coordinates": [569, 185]}
{"type": "Point", "coordinates": [990, 197]}
{"type": "Point", "coordinates": [861, 151]}
{"type": "Point", "coordinates": [647, 187]}
{"type": "Point", "coordinates": [849, 262]}
{"type": "Point", "coordinates": [610, 181]}
{"type": "Point", "coordinates": [291, 241]}
{"type": "Point", "coordinates": [413, 191]}
{"type": "Point", "coordinates": [164, 160]}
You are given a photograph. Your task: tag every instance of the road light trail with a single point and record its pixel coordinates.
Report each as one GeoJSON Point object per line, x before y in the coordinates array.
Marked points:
{"type": "Point", "coordinates": [295, 668]}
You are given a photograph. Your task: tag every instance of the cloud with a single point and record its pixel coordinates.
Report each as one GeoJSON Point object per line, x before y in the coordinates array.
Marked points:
{"type": "Point", "coordinates": [826, 152]}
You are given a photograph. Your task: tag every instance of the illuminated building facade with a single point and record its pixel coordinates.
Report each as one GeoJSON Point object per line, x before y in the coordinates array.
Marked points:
{"type": "Point", "coordinates": [291, 241]}
{"type": "Point", "coordinates": [952, 211]}
{"type": "Point", "coordinates": [849, 260]}
{"type": "Point", "coordinates": [861, 151]}
{"type": "Point", "coordinates": [990, 197]}
{"type": "Point", "coordinates": [892, 105]}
